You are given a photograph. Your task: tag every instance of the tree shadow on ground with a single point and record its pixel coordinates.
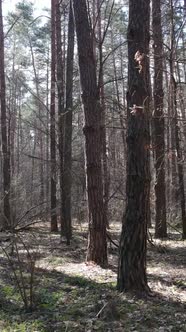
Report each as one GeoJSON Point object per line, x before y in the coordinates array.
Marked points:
{"type": "Point", "coordinates": [65, 302]}
{"type": "Point", "coordinates": [174, 256]}
{"type": "Point", "coordinates": [68, 302]}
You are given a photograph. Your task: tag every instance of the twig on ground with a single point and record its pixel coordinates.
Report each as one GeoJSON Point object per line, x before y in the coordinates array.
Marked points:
{"type": "Point", "coordinates": [101, 310]}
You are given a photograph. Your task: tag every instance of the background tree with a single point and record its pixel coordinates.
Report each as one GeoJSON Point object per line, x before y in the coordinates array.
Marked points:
{"type": "Point", "coordinates": [67, 184]}
{"type": "Point", "coordinates": [4, 133]}
{"type": "Point", "coordinates": [159, 148]}
{"type": "Point", "coordinates": [54, 226]}
{"type": "Point", "coordinates": [97, 246]}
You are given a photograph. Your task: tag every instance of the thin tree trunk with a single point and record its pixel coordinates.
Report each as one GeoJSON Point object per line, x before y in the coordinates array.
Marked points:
{"type": "Point", "coordinates": [47, 135]}
{"type": "Point", "coordinates": [160, 197]}
{"type": "Point", "coordinates": [97, 246]}
{"type": "Point", "coordinates": [168, 146]}
{"type": "Point", "coordinates": [54, 226]}
{"type": "Point", "coordinates": [61, 110]}
{"type": "Point", "coordinates": [67, 225]}
{"type": "Point", "coordinates": [176, 129]}
{"type": "Point", "coordinates": [4, 132]}
{"type": "Point", "coordinates": [174, 168]}
{"type": "Point", "coordinates": [39, 133]}
{"type": "Point", "coordinates": [106, 182]}
{"type": "Point", "coordinates": [132, 252]}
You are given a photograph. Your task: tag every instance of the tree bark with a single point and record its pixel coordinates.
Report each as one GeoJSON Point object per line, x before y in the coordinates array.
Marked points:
{"type": "Point", "coordinates": [67, 224]}
{"type": "Point", "coordinates": [159, 143]}
{"type": "Point", "coordinates": [61, 109]}
{"type": "Point", "coordinates": [4, 132]}
{"type": "Point", "coordinates": [132, 252]}
{"type": "Point", "coordinates": [54, 226]}
{"type": "Point", "coordinates": [105, 169]}
{"type": "Point", "coordinates": [176, 129]}
{"type": "Point", "coordinates": [97, 246]}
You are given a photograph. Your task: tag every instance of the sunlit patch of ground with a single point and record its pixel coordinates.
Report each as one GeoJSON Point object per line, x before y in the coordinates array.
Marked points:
{"type": "Point", "coordinates": [70, 295]}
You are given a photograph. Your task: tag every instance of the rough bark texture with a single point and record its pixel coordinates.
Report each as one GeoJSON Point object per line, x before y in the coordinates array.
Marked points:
{"type": "Point", "coordinates": [132, 252]}
{"type": "Point", "coordinates": [4, 132]}
{"type": "Point", "coordinates": [54, 226]}
{"type": "Point", "coordinates": [97, 247]}
{"type": "Point", "coordinates": [67, 224]}
{"type": "Point", "coordinates": [159, 143]}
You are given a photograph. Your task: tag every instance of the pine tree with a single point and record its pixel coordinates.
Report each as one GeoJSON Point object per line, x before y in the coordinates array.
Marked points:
{"type": "Point", "coordinates": [132, 252]}
{"type": "Point", "coordinates": [159, 143]}
{"type": "Point", "coordinates": [4, 132]}
{"type": "Point", "coordinates": [97, 246]}
{"type": "Point", "coordinates": [54, 226]}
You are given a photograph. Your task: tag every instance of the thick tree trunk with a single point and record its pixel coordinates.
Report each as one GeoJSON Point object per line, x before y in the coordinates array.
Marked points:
{"type": "Point", "coordinates": [160, 196]}
{"type": "Point", "coordinates": [4, 132]}
{"type": "Point", "coordinates": [67, 224]}
{"type": "Point", "coordinates": [97, 246]}
{"type": "Point", "coordinates": [132, 252]}
{"type": "Point", "coordinates": [54, 226]}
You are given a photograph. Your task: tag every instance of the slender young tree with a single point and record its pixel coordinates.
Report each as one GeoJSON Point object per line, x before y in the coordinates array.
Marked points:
{"type": "Point", "coordinates": [103, 115]}
{"type": "Point", "coordinates": [61, 109]}
{"type": "Point", "coordinates": [97, 245]}
{"type": "Point", "coordinates": [159, 142]}
{"type": "Point", "coordinates": [4, 132]}
{"type": "Point", "coordinates": [54, 226]}
{"type": "Point", "coordinates": [132, 252]}
{"type": "Point", "coordinates": [175, 123]}
{"type": "Point", "coordinates": [67, 184]}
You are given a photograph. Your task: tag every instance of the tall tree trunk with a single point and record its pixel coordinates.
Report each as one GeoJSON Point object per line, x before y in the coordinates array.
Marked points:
{"type": "Point", "coordinates": [176, 129]}
{"type": "Point", "coordinates": [4, 132]}
{"type": "Point", "coordinates": [39, 124]}
{"type": "Point", "coordinates": [174, 168]}
{"type": "Point", "coordinates": [97, 245]}
{"type": "Point", "coordinates": [47, 140]}
{"type": "Point", "coordinates": [67, 223]}
{"type": "Point", "coordinates": [61, 110]}
{"type": "Point", "coordinates": [180, 164]}
{"type": "Point", "coordinates": [168, 146]}
{"type": "Point", "coordinates": [160, 196]}
{"type": "Point", "coordinates": [106, 182]}
{"type": "Point", "coordinates": [54, 226]}
{"type": "Point", "coordinates": [132, 252]}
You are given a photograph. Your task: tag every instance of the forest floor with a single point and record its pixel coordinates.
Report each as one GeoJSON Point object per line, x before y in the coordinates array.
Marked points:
{"type": "Point", "coordinates": [70, 295]}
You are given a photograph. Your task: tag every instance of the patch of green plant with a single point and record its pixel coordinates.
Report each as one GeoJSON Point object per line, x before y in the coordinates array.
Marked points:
{"type": "Point", "coordinates": [48, 300]}
{"type": "Point", "coordinates": [78, 281]}
{"type": "Point", "coordinates": [8, 290]}
{"type": "Point", "coordinates": [180, 284]}
{"type": "Point", "coordinates": [112, 285]}
{"type": "Point", "coordinates": [10, 295]}
{"type": "Point", "coordinates": [24, 327]}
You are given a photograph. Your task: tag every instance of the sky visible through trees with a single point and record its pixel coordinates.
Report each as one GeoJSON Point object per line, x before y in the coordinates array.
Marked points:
{"type": "Point", "coordinates": [39, 5]}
